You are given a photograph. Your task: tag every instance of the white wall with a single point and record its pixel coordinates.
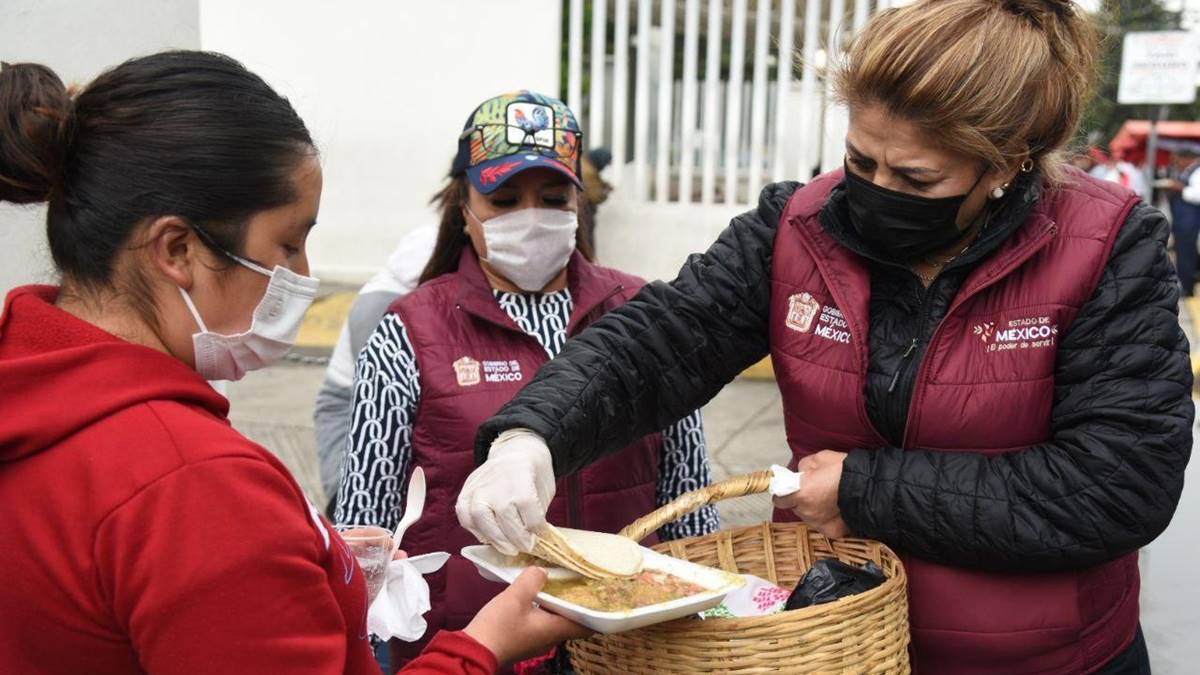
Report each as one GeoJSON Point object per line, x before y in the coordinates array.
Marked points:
{"type": "Point", "coordinates": [385, 88]}
{"type": "Point", "coordinates": [78, 39]}
{"type": "Point", "coordinates": [652, 240]}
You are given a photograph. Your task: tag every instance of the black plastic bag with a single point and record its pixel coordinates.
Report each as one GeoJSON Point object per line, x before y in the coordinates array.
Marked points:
{"type": "Point", "coordinates": [827, 580]}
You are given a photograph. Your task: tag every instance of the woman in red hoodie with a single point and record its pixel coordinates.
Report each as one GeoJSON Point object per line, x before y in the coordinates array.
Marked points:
{"type": "Point", "coordinates": [144, 533]}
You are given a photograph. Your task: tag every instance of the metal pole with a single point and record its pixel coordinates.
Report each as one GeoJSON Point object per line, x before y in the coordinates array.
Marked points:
{"type": "Point", "coordinates": [1152, 147]}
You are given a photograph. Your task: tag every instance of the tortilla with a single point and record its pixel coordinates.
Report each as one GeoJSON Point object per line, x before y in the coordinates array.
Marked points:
{"type": "Point", "coordinates": [592, 554]}
{"type": "Point", "coordinates": [551, 547]}
{"type": "Point", "coordinates": [609, 552]}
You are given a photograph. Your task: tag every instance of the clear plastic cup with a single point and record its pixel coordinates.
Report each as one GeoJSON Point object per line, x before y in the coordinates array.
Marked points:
{"type": "Point", "coordinates": [372, 548]}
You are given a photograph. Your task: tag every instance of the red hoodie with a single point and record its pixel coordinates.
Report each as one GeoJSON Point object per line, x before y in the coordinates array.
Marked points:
{"type": "Point", "coordinates": [145, 534]}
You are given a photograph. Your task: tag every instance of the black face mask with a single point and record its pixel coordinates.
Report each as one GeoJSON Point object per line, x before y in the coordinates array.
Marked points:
{"type": "Point", "coordinates": [901, 226]}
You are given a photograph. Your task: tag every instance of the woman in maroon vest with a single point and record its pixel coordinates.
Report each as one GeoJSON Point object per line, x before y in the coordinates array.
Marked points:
{"type": "Point", "coordinates": [978, 348]}
{"type": "Point", "coordinates": [506, 285]}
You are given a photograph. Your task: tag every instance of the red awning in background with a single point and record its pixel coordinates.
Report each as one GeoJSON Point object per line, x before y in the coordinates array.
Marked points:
{"type": "Point", "coordinates": [1130, 142]}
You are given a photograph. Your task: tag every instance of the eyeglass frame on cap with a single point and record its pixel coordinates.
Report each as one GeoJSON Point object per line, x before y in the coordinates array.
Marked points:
{"type": "Point", "coordinates": [577, 146]}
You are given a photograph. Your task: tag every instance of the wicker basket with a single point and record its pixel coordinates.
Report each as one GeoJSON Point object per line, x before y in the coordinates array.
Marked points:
{"type": "Point", "coordinates": [864, 633]}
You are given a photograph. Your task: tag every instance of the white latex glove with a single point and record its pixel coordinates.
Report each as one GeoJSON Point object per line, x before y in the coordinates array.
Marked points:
{"type": "Point", "coordinates": [504, 501]}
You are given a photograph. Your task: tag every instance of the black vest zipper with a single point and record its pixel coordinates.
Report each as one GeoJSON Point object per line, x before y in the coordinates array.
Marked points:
{"type": "Point", "coordinates": [901, 402]}
{"type": "Point", "coordinates": [903, 362]}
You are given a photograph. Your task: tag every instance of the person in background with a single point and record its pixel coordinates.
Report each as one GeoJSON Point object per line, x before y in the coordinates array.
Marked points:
{"type": "Point", "coordinates": [331, 415]}
{"type": "Point", "coordinates": [510, 279]}
{"type": "Point", "coordinates": [978, 348]}
{"type": "Point", "coordinates": [1115, 169]}
{"type": "Point", "coordinates": [1084, 160]}
{"type": "Point", "coordinates": [1184, 191]}
{"type": "Point", "coordinates": [145, 534]}
{"type": "Point", "coordinates": [595, 188]}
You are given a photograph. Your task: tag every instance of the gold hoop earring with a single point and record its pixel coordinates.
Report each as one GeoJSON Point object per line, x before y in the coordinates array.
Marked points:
{"type": "Point", "coordinates": [1027, 165]}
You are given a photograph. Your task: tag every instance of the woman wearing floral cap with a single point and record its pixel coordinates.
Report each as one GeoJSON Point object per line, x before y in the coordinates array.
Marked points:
{"type": "Point", "coordinates": [510, 279]}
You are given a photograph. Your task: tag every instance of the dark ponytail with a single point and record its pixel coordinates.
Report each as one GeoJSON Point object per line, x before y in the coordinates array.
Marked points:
{"type": "Point", "coordinates": [35, 125]}
{"type": "Point", "coordinates": [184, 133]}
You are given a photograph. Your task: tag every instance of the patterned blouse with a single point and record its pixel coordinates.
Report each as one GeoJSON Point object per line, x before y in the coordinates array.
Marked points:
{"type": "Point", "coordinates": [387, 388]}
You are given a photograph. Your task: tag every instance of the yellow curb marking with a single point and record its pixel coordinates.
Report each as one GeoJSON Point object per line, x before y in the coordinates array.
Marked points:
{"type": "Point", "coordinates": [763, 370]}
{"type": "Point", "coordinates": [1193, 309]}
{"type": "Point", "coordinates": [324, 320]}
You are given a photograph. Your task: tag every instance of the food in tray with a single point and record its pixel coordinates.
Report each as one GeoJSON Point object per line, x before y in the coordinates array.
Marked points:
{"type": "Point", "coordinates": [648, 587]}
{"type": "Point", "coordinates": [706, 588]}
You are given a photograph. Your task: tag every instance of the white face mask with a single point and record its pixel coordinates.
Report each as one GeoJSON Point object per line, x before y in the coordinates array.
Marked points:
{"type": "Point", "coordinates": [272, 330]}
{"type": "Point", "coordinates": [531, 246]}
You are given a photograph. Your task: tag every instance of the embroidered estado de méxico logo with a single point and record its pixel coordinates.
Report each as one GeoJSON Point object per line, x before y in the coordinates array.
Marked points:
{"type": "Point", "coordinates": [470, 372]}
{"type": "Point", "coordinates": [1034, 332]}
{"type": "Point", "coordinates": [806, 314]}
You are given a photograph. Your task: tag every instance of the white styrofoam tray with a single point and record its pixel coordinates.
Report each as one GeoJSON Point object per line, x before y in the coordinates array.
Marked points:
{"type": "Point", "coordinates": [496, 566]}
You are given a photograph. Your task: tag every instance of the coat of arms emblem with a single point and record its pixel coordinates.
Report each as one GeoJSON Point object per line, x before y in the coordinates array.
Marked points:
{"type": "Point", "coordinates": [802, 310]}
{"type": "Point", "coordinates": [466, 370]}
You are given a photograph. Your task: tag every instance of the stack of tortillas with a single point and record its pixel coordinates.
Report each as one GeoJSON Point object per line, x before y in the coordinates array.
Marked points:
{"type": "Point", "coordinates": [592, 554]}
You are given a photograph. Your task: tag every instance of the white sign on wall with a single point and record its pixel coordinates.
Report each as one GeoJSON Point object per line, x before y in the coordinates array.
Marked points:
{"type": "Point", "coordinates": [1159, 67]}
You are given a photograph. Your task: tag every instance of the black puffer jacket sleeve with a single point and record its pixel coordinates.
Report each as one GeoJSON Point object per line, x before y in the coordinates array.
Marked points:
{"type": "Point", "coordinates": [1109, 479]}
{"type": "Point", "coordinates": [661, 355]}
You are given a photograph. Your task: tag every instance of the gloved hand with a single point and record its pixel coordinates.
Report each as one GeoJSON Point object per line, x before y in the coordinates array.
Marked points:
{"type": "Point", "coordinates": [504, 501]}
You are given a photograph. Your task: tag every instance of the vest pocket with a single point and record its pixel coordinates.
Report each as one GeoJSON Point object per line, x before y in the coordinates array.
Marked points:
{"type": "Point", "coordinates": [994, 622]}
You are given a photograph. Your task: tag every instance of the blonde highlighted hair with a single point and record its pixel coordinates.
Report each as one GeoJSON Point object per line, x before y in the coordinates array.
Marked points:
{"type": "Point", "coordinates": [998, 80]}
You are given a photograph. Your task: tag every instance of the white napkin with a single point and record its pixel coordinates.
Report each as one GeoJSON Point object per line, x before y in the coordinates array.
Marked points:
{"type": "Point", "coordinates": [784, 481]}
{"type": "Point", "coordinates": [398, 611]}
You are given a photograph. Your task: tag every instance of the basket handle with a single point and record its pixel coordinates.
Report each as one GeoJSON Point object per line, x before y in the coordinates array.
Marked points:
{"type": "Point", "coordinates": [730, 488]}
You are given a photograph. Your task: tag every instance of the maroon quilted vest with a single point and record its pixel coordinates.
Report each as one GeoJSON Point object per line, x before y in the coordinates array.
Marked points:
{"type": "Point", "coordinates": [986, 385]}
{"type": "Point", "coordinates": [473, 359]}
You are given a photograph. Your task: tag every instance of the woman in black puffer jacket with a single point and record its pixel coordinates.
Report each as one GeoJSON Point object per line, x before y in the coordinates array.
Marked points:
{"type": "Point", "coordinates": [978, 349]}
